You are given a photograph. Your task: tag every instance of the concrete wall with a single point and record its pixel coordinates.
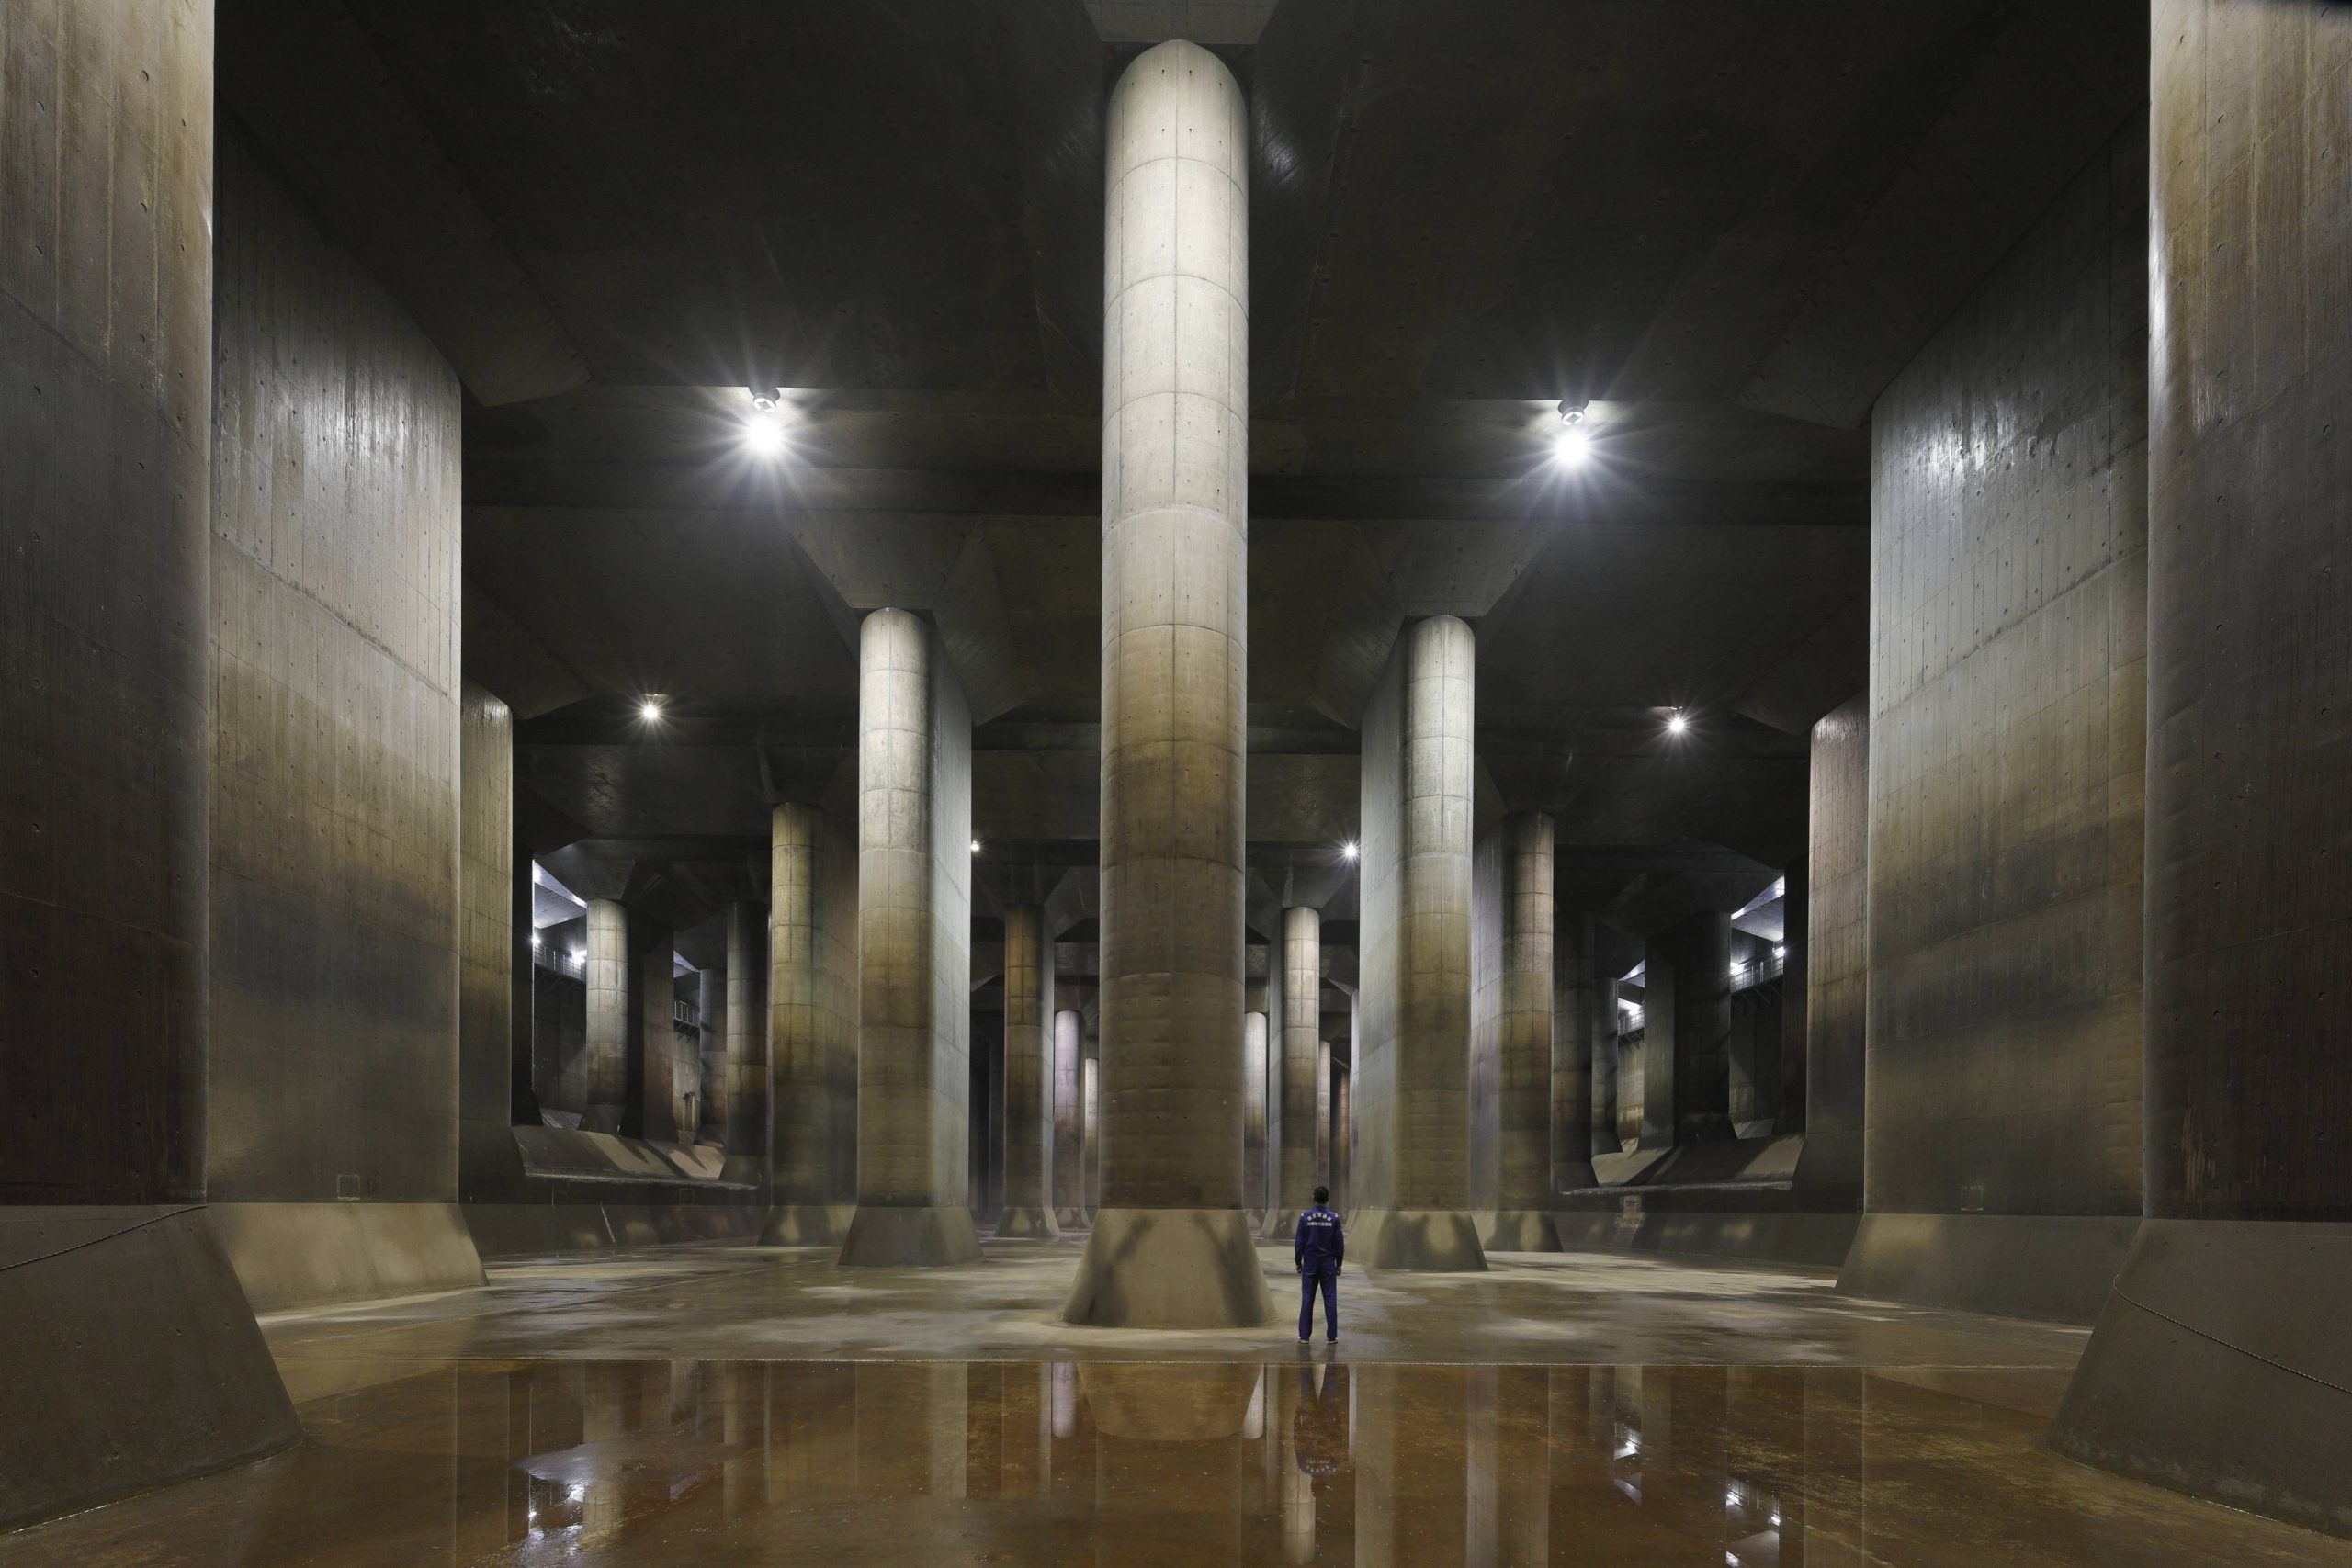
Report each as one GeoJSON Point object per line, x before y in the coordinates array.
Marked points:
{"type": "Point", "coordinates": [2219, 1363]}
{"type": "Point", "coordinates": [2008, 675]}
{"type": "Point", "coordinates": [132, 1357]}
{"type": "Point", "coordinates": [334, 787]}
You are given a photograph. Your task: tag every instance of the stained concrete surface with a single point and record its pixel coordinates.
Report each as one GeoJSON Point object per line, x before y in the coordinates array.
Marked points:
{"type": "Point", "coordinates": [765, 1406]}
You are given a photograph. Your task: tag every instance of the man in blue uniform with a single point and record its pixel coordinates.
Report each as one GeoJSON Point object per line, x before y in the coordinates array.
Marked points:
{"type": "Point", "coordinates": [1318, 1247]}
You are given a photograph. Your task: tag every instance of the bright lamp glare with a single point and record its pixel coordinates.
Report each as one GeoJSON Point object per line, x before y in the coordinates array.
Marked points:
{"type": "Point", "coordinates": [976, 846]}
{"type": "Point", "coordinates": [763, 436]}
{"type": "Point", "coordinates": [1572, 447]}
{"type": "Point", "coordinates": [1780, 952]}
{"type": "Point", "coordinates": [1349, 849]}
{"type": "Point", "coordinates": [1676, 724]}
{"type": "Point", "coordinates": [650, 710]}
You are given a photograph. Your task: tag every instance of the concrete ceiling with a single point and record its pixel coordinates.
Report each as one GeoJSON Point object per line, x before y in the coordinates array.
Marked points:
{"type": "Point", "coordinates": [1727, 222]}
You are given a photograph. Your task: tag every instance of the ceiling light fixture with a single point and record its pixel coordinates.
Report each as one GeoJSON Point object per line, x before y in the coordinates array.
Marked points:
{"type": "Point", "coordinates": [650, 710]}
{"type": "Point", "coordinates": [1572, 448]}
{"type": "Point", "coordinates": [1676, 724]}
{"type": "Point", "coordinates": [763, 436]}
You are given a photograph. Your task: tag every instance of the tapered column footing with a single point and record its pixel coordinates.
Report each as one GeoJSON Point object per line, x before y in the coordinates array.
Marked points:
{"type": "Point", "coordinates": [910, 1237]}
{"type": "Point", "coordinates": [1427, 1241]}
{"type": "Point", "coordinates": [1520, 1230]}
{"type": "Point", "coordinates": [1022, 1222]}
{"type": "Point", "coordinates": [1170, 1268]}
{"type": "Point", "coordinates": [808, 1224]}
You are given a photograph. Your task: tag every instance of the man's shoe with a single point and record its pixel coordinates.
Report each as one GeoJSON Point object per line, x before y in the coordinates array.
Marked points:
{"type": "Point", "coordinates": [1304, 1338]}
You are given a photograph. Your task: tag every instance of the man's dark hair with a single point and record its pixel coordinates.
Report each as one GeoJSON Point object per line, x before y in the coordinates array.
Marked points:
{"type": "Point", "coordinates": [1322, 1194]}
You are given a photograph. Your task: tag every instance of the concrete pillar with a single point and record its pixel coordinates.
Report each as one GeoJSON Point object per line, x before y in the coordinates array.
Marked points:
{"type": "Point", "coordinates": [1414, 1103]}
{"type": "Point", "coordinates": [1794, 999]}
{"type": "Point", "coordinates": [745, 1025]}
{"type": "Point", "coordinates": [2218, 1362]}
{"type": "Point", "coordinates": [1172, 1247]}
{"type": "Point", "coordinates": [1522, 1220]}
{"type": "Point", "coordinates": [1323, 1113]}
{"type": "Point", "coordinates": [914, 814]}
{"type": "Point", "coordinates": [653, 1032]}
{"type": "Point", "coordinates": [1069, 1115]}
{"type": "Point", "coordinates": [1576, 1053]}
{"type": "Point", "coordinates": [710, 1010]}
{"type": "Point", "coordinates": [1028, 1076]}
{"type": "Point", "coordinates": [106, 465]}
{"type": "Point", "coordinates": [1254, 1067]}
{"type": "Point", "coordinates": [494, 1086]}
{"type": "Point", "coordinates": [1686, 1063]}
{"type": "Point", "coordinates": [608, 1016]}
{"type": "Point", "coordinates": [1342, 1133]}
{"type": "Point", "coordinates": [1091, 1140]}
{"type": "Point", "coordinates": [812, 1026]}
{"type": "Point", "coordinates": [1836, 938]}
{"type": "Point", "coordinates": [1298, 1134]}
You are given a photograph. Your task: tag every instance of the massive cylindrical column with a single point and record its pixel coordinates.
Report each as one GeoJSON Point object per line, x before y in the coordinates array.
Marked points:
{"type": "Point", "coordinates": [2217, 1365]}
{"type": "Point", "coordinates": [1028, 1076]}
{"type": "Point", "coordinates": [1090, 1138]}
{"type": "Point", "coordinates": [914, 826]}
{"type": "Point", "coordinates": [1254, 1067]}
{"type": "Point", "coordinates": [1522, 1220]}
{"type": "Point", "coordinates": [1686, 1054]}
{"type": "Point", "coordinates": [1069, 1116]}
{"type": "Point", "coordinates": [812, 1021]}
{"type": "Point", "coordinates": [745, 1026]}
{"type": "Point", "coordinates": [1576, 1050]}
{"type": "Point", "coordinates": [608, 1029]}
{"type": "Point", "coordinates": [1795, 899]}
{"type": "Point", "coordinates": [1172, 1246]}
{"type": "Point", "coordinates": [1298, 1163]}
{"type": "Point", "coordinates": [1413, 1098]}
{"type": "Point", "coordinates": [653, 1035]}
{"type": "Point", "coordinates": [710, 1016]}
{"type": "Point", "coordinates": [1342, 1133]}
{"type": "Point", "coordinates": [1323, 1113]}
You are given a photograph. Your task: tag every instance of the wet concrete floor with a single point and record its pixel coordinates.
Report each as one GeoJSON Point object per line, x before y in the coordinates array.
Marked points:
{"type": "Point", "coordinates": [757, 1407]}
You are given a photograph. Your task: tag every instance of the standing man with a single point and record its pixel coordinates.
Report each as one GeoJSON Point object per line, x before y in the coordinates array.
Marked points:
{"type": "Point", "coordinates": [1318, 1247]}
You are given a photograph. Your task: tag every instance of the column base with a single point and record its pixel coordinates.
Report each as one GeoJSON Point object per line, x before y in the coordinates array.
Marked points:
{"type": "Point", "coordinates": [1520, 1230]}
{"type": "Point", "coordinates": [1280, 1223]}
{"type": "Point", "coordinates": [299, 1254]}
{"type": "Point", "coordinates": [1071, 1218]}
{"type": "Point", "coordinates": [1423, 1241]}
{"type": "Point", "coordinates": [1170, 1268]}
{"type": "Point", "coordinates": [888, 1236]}
{"type": "Point", "coordinates": [1021, 1221]}
{"type": "Point", "coordinates": [808, 1224]}
{"type": "Point", "coordinates": [2220, 1368]}
{"type": "Point", "coordinates": [133, 1360]}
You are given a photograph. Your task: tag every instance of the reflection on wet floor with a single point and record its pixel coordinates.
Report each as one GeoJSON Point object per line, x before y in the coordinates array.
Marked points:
{"type": "Point", "coordinates": [1306, 1462]}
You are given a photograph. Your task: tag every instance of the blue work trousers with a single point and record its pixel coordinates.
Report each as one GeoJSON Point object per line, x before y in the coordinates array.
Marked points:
{"type": "Point", "coordinates": [1326, 1275]}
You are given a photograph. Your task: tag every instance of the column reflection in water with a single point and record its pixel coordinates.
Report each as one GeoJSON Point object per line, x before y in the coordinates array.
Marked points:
{"type": "Point", "coordinates": [744, 1390]}
{"type": "Point", "coordinates": [1306, 1461]}
{"type": "Point", "coordinates": [1168, 1457]}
